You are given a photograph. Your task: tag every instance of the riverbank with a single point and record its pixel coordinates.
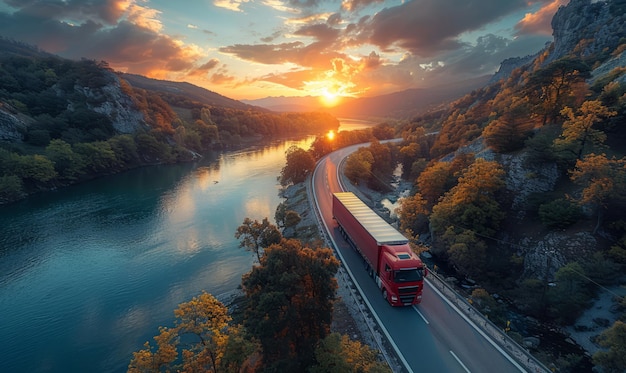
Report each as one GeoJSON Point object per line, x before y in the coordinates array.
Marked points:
{"type": "Point", "coordinates": [351, 315]}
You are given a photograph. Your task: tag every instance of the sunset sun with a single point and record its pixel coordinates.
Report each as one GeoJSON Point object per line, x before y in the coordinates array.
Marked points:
{"type": "Point", "coordinates": [329, 98]}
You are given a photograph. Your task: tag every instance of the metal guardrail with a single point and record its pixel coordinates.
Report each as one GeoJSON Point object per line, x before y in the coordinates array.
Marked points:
{"type": "Point", "coordinates": [493, 333]}
{"type": "Point", "coordinates": [496, 335]}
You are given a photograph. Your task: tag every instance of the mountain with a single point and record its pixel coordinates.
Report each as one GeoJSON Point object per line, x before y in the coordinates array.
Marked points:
{"type": "Point", "coordinates": [193, 92]}
{"type": "Point", "coordinates": [398, 105]}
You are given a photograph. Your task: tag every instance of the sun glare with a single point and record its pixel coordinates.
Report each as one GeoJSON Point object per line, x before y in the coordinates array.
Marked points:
{"type": "Point", "coordinates": [330, 99]}
{"type": "Point", "coordinates": [330, 135]}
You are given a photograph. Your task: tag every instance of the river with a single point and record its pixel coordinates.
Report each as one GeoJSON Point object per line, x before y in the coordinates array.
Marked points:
{"type": "Point", "coordinates": [89, 272]}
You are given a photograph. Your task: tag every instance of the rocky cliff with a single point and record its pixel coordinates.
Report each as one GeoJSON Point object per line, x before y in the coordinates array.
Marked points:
{"type": "Point", "coordinates": [586, 27]}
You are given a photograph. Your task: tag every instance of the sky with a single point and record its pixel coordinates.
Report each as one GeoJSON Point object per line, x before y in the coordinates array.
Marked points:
{"type": "Point", "coordinates": [250, 49]}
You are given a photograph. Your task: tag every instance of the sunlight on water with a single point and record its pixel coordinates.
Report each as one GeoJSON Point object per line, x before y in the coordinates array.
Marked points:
{"type": "Point", "coordinates": [88, 273]}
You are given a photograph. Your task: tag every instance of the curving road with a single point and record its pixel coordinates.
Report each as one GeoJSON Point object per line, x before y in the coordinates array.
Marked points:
{"type": "Point", "coordinates": [432, 337]}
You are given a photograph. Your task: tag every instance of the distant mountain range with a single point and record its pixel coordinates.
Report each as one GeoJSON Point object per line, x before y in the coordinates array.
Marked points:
{"type": "Point", "coordinates": [400, 105]}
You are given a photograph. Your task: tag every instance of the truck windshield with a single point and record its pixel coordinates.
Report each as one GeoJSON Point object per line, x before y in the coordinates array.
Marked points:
{"type": "Point", "coordinates": [408, 275]}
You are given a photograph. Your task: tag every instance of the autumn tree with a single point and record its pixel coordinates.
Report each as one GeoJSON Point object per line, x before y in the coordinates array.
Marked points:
{"type": "Point", "coordinates": [439, 177]}
{"type": "Point", "coordinates": [197, 342]}
{"type": "Point", "coordinates": [299, 165]}
{"type": "Point", "coordinates": [509, 131]}
{"type": "Point", "coordinates": [578, 132]}
{"type": "Point", "coordinates": [603, 180]}
{"type": "Point", "coordinates": [289, 303]}
{"type": "Point", "coordinates": [255, 235]}
{"type": "Point", "coordinates": [550, 88]}
{"type": "Point", "coordinates": [338, 354]}
{"type": "Point", "coordinates": [383, 131]}
{"type": "Point", "coordinates": [613, 358]}
{"type": "Point", "coordinates": [413, 212]}
{"type": "Point", "coordinates": [472, 203]}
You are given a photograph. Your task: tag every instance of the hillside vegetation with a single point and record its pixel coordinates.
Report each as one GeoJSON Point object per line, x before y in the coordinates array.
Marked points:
{"type": "Point", "coordinates": [65, 121]}
{"type": "Point", "coordinates": [523, 187]}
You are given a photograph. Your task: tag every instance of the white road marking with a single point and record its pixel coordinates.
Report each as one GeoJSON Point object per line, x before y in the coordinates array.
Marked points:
{"type": "Point", "coordinates": [459, 361]}
{"type": "Point", "coordinates": [419, 313]}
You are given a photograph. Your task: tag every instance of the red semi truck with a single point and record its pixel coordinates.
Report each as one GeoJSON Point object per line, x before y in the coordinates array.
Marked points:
{"type": "Point", "coordinates": [397, 270]}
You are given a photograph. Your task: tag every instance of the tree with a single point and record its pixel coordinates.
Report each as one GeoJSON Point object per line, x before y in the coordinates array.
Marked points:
{"type": "Point", "coordinates": [289, 303]}
{"type": "Point", "coordinates": [67, 163]}
{"type": "Point", "coordinates": [508, 132]}
{"type": "Point", "coordinates": [578, 132]}
{"type": "Point", "coordinates": [466, 251]}
{"type": "Point", "coordinates": [256, 236]}
{"type": "Point", "coordinates": [383, 131]}
{"type": "Point", "coordinates": [299, 165]}
{"type": "Point", "coordinates": [338, 354]}
{"type": "Point", "coordinates": [197, 343]}
{"type": "Point", "coordinates": [359, 165]}
{"type": "Point", "coordinates": [551, 87]}
{"type": "Point", "coordinates": [412, 213]}
{"type": "Point", "coordinates": [612, 360]}
{"type": "Point", "coordinates": [472, 204]}
{"type": "Point", "coordinates": [604, 182]}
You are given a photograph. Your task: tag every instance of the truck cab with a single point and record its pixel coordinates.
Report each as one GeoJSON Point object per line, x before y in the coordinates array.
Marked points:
{"type": "Point", "coordinates": [402, 275]}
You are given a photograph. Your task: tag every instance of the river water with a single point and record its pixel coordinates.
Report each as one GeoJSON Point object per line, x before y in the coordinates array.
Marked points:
{"type": "Point", "coordinates": [89, 272]}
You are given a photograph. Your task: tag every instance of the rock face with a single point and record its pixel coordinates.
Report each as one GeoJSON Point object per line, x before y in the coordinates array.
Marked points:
{"type": "Point", "coordinates": [11, 126]}
{"type": "Point", "coordinates": [507, 66]}
{"type": "Point", "coordinates": [116, 105]}
{"type": "Point", "coordinates": [545, 256]}
{"type": "Point", "coordinates": [587, 25]}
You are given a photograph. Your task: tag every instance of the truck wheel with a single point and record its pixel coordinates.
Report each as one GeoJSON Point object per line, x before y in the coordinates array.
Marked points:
{"type": "Point", "coordinates": [385, 294]}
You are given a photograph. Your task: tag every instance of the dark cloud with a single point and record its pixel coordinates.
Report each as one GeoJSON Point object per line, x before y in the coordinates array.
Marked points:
{"type": "Point", "coordinates": [125, 45]}
{"type": "Point", "coordinates": [106, 11]}
{"type": "Point", "coordinates": [270, 54]}
{"type": "Point", "coordinates": [427, 27]}
{"type": "Point", "coordinates": [320, 31]}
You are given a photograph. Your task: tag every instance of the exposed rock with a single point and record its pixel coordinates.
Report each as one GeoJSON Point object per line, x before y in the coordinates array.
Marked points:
{"type": "Point", "coordinates": [588, 21]}
{"type": "Point", "coordinates": [507, 66]}
{"type": "Point", "coordinates": [524, 178]}
{"type": "Point", "coordinates": [11, 126]}
{"type": "Point", "coordinates": [544, 257]}
{"type": "Point", "coordinates": [116, 105]}
{"type": "Point", "coordinates": [608, 66]}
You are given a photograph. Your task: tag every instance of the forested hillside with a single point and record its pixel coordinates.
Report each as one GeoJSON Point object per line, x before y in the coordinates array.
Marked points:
{"type": "Point", "coordinates": [523, 186]}
{"type": "Point", "coordinates": [65, 121]}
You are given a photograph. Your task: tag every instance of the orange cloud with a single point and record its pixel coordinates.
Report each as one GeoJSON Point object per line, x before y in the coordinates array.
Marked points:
{"type": "Point", "coordinates": [540, 21]}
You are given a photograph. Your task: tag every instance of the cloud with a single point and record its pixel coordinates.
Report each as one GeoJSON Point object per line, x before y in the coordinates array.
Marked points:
{"type": "Point", "coordinates": [234, 5]}
{"type": "Point", "coordinates": [428, 27]}
{"type": "Point", "coordinates": [131, 42]}
{"type": "Point", "coordinates": [352, 5]}
{"type": "Point", "coordinates": [540, 21]}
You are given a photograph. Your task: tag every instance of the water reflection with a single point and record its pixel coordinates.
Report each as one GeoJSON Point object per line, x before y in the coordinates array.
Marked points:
{"type": "Point", "coordinates": [88, 273]}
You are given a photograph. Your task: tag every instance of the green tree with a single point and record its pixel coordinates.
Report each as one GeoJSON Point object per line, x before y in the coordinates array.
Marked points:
{"type": "Point", "coordinates": [466, 251]}
{"type": "Point", "coordinates": [359, 165]}
{"type": "Point", "coordinates": [571, 295]}
{"type": "Point", "coordinates": [289, 303]}
{"type": "Point", "coordinates": [11, 188]}
{"type": "Point", "coordinates": [338, 354]}
{"type": "Point", "coordinates": [613, 359]}
{"type": "Point", "coordinates": [559, 213]}
{"type": "Point", "coordinates": [35, 169]}
{"type": "Point", "coordinates": [67, 163]}
{"type": "Point", "coordinates": [299, 165]}
{"type": "Point", "coordinates": [255, 235]}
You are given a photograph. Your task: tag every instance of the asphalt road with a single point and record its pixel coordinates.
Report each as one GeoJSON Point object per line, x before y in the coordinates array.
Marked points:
{"type": "Point", "coordinates": [431, 337]}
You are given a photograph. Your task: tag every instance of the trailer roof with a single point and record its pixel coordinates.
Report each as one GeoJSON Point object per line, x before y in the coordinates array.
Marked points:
{"type": "Point", "coordinates": [383, 233]}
